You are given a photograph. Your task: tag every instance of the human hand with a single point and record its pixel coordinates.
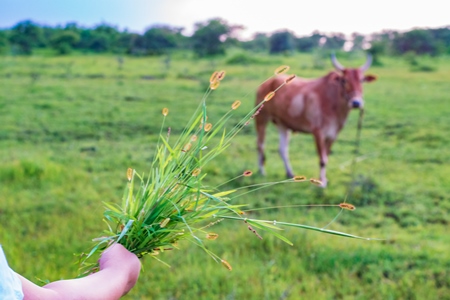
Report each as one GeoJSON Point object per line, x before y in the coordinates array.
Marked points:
{"type": "Point", "coordinates": [122, 262]}
{"type": "Point", "coordinates": [119, 271]}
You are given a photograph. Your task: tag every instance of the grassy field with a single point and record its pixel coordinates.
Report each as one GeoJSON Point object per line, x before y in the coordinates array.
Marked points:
{"type": "Point", "coordinates": [71, 126]}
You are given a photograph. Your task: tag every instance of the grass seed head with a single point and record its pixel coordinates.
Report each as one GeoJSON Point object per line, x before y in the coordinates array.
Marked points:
{"type": "Point", "coordinates": [289, 79]}
{"type": "Point", "coordinates": [235, 104]}
{"type": "Point", "coordinates": [212, 236]}
{"type": "Point", "coordinates": [269, 96]}
{"type": "Point", "coordinates": [196, 172]}
{"type": "Point", "coordinates": [214, 77]}
{"type": "Point", "coordinates": [316, 181]}
{"type": "Point", "coordinates": [164, 222]}
{"type": "Point", "coordinates": [254, 232]}
{"type": "Point", "coordinates": [221, 75]}
{"type": "Point", "coordinates": [247, 173]}
{"type": "Point", "coordinates": [257, 111]}
{"type": "Point", "coordinates": [281, 69]}
{"type": "Point", "coordinates": [347, 206]}
{"type": "Point", "coordinates": [129, 174]}
{"type": "Point", "coordinates": [208, 127]}
{"type": "Point", "coordinates": [213, 223]}
{"type": "Point", "coordinates": [299, 178]}
{"type": "Point", "coordinates": [187, 147]}
{"type": "Point", "coordinates": [226, 264]}
{"type": "Point", "coordinates": [214, 85]}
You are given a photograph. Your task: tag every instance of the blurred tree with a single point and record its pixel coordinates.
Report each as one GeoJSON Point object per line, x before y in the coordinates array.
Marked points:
{"type": "Point", "coordinates": [64, 41]}
{"type": "Point", "coordinates": [209, 37]}
{"type": "Point", "coordinates": [99, 42]}
{"type": "Point", "coordinates": [358, 41]}
{"type": "Point", "coordinates": [305, 44]}
{"type": "Point", "coordinates": [281, 42]}
{"type": "Point", "coordinates": [232, 42]}
{"type": "Point", "coordinates": [309, 43]}
{"type": "Point", "coordinates": [259, 42]}
{"type": "Point", "coordinates": [377, 48]}
{"type": "Point", "coordinates": [161, 38]}
{"type": "Point", "coordinates": [73, 26]}
{"type": "Point", "coordinates": [104, 38]}
{"type": "Point", "coordinates": [4, 44]}
{"type": "Point", "coordinates": [135, 43]}
{"type": "Point", "coordinates": [334, 41]}
{"type": "Point", "coordinates": [419, 41]}
{"type": "Point", "coordinates": [442, 36]}
{"type": "Point", "coordinates": [101, 38]}
{"type": "Point", "coordinates": [381, 44]}
{"type": "Point", "coordinates": [25, 35]}
{"type": "Point", "coordinates": [48, 33]}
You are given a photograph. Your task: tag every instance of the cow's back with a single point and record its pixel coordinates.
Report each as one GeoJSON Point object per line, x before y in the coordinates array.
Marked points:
{"type": "Point", "coordinates": [295, 106]}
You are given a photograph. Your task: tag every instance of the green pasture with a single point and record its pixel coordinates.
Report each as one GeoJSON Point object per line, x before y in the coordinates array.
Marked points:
{"type": "Point", "coordinates": [71, 126]}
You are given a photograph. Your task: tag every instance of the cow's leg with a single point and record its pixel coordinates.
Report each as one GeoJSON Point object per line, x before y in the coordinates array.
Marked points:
{"type": "Point", "coordinates": [261, 132]}
{"type": "Point", "coordinates": [284, 149]}
{"type": "Point", "coordinates": [322, 151]}
{"type": "Point", "coordinates": [328, 144]}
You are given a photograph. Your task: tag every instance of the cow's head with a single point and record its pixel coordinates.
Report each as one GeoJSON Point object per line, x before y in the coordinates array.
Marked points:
{"type": "Point", "coordinates": [352, 79]}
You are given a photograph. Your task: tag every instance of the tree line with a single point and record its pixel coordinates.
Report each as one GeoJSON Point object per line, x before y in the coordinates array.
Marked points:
{"type": "Point", "coordinates": [210, 38]}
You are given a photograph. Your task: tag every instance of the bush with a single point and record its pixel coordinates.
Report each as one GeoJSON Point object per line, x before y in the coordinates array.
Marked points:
{"type": "Point", "coordinates": [416, 65]}
{"type": "Point", "coordinates": [242, 59]}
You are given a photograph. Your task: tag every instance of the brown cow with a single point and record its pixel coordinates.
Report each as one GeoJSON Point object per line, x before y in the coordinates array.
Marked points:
{"type": "Point", "coordinates": [318, 106]}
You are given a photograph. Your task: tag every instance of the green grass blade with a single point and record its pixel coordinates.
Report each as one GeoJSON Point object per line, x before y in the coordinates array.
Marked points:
{"type": "Point", "coordinates": [321, 230]}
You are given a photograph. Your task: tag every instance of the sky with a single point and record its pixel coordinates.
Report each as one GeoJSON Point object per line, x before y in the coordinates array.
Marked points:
{"type": "Point", "coordinates": [301, 17]}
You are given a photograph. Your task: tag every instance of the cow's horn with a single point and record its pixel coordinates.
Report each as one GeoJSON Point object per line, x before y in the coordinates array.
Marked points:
{"type": "Point", "coordinates": [368, 63]}
{"type": "Point", "coordinates": [335, 62]}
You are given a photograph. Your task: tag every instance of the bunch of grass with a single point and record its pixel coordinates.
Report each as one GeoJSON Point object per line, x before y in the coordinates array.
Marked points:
{"type": "Point", "coordinates": [170, 203]}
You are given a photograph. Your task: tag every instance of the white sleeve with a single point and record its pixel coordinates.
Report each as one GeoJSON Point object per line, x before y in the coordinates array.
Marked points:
{"type": "Point", "coordinates": [10, 284]}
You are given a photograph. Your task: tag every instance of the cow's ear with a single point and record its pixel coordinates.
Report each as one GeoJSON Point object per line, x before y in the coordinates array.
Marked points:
{"type": "Point", "coordinates": [369, 78]}
{"type": "Point", "coordinates": [335, 77]}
